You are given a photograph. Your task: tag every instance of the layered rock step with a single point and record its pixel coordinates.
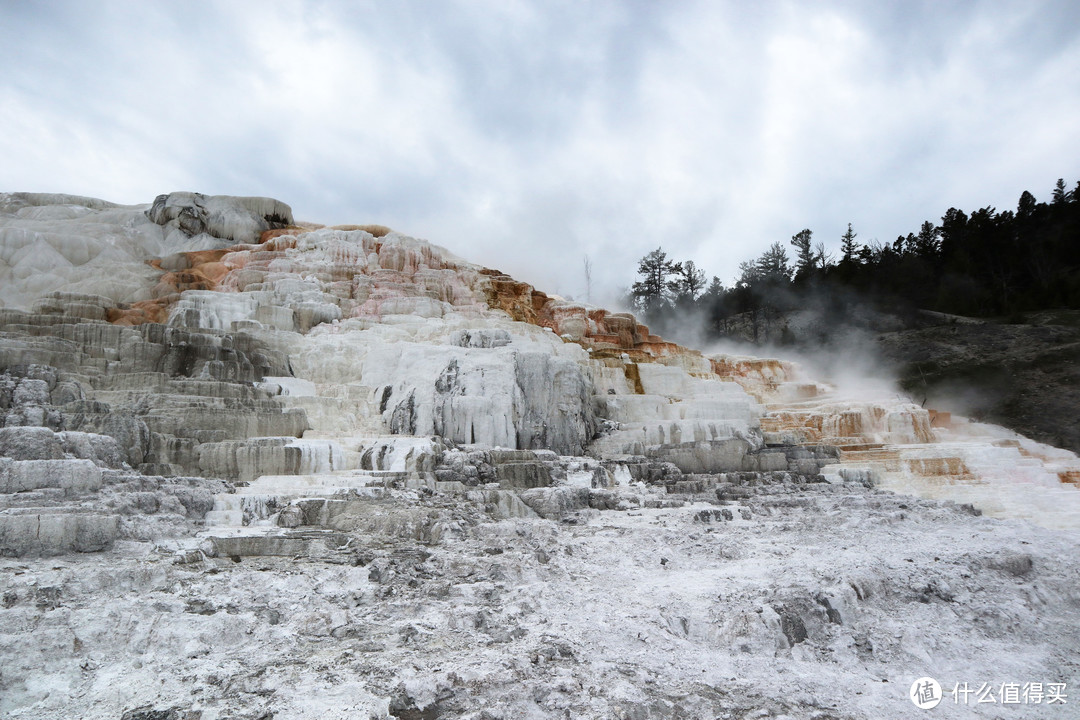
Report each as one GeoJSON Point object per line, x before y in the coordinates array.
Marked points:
{"type": "Point", "coordinates": [324, 467]}
{"type": "Point", "coordinates": [326, 515]}
{"type": "Point", "coordinates": [848, 425]}
{"type": "Point", "coordinates": [273, 510]}
{"type": "Point", "coordinates": [159, 391]}
{"type": "Point", "coordinates": [333, 408]}
{"type": "Point", "coordinates": [46, 532]}
{"type": "Point", "coordinates": [1001, 479]}
{"type": "Point", "coordinates": [279, 514]}
{"type": "Point", "coordinates": [699, 425]}
{"type": "Point", "coordinates": [71, 504]}
{"type": "Point", "coordinates": [246, 460]}
{"type": "Point", "coordinates": [262, 501]}
{"type": "Point", "coordinates": [904, 448]}
{"type": "Point", "coordinates": [46, 507]}
{"type": "Point", "coordinates": [293, 514]}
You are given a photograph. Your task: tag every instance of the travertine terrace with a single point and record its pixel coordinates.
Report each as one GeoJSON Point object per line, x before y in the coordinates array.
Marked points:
{"type": "Point", "coordinates": [251, 467]}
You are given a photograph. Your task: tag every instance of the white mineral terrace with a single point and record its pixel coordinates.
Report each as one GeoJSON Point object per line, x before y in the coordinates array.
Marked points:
{"type": "Point", "coordinates": [253, 469]}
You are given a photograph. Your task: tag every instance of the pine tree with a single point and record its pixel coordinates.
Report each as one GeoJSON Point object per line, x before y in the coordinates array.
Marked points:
{"type": "Point", "coordinates": [805, 254]}
{"type": "Point", "coordinates": [1026, 207]}
{"type": "Point", "coordinates": [848, 247]}
{"type": "Point", "coordinates": [689, 281]}
{"type": "Point", "coordinates": [652, 291]}
{"type": "Point", "coordinates": [926, 243]}
{"type": "Point", "coordinates": [1061, 195]}
{"type": "Point", "coordinates": [773, 264]}
{"type": "Point", "coordinates": [748, 273]}
{"type": "Point", "coordinates": [716, 288]}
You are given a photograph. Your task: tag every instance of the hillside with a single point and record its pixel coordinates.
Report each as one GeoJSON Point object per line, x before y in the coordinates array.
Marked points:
{"type": "Point", "coordinates": [1020, 373]}
{"type": "Point", "coordinates": [1024, 375]}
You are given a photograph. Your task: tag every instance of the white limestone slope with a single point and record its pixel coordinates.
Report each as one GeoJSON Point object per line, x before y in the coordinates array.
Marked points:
{"type": "Point", "coordinates": [51, 242]}
{"type": "Point", "coordinates": [79, 245]}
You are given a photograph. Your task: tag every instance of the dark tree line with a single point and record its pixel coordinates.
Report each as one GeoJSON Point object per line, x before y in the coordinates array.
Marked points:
{"type": "Point", "coordinates": [987, 263]}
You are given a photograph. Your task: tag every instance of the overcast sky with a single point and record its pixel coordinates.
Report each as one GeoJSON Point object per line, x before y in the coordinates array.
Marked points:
{"type": "Point", "coordinates": [527, 135]}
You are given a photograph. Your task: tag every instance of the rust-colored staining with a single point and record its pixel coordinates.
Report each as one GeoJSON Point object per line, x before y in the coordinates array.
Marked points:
{"type": "Point", "coordinates": [848, 424]}
{"type": "Point", "coordinates": [277, 243]}
{"type": "Point", "coordinates": [952, 467]}
{"type": "Point", "coordinates": [656, 346]}
{"type": "Point", "coordinates": [742, 367]}
{"type": "Point", "coordinates": [760, 377]}
{"type": "Point", "coordinates": [940, 419]}
{"type": "Point", "coordinates": [204, 271]}
{"type": "Point", "coordinates": [517, 299]}
{"type": "Point", "coordinates": [807, 427]}
{"type": "Point", "coordinates": [605, 334]}
{"type": "Point", "coordinates": [634, 376]}
{"type": "Point", "coordinates": [210, 270]}
{"type": "Point", "coordinates": [539, 301]}
{"type": "Point", "coordinates": [202, 257]}
{"type": "Point", "coordinates": [282, 239]}
{"type": "Point", "coordinates": [634, 355]}
{"type": "Point", "coordinates": [888, 458]}
{"type": "Point", "coordinates": [936, 465]}
{"type": "Point", "coordinates": [290, 231]}
{"type": "Point", "coordinates": [145, 311]}
{"type": "Point", "coordinates": [174, 283]}
{"type": "Point", "coordinates": [779, 420]}
{"type": "Point", "coordinates": [1071, 477]}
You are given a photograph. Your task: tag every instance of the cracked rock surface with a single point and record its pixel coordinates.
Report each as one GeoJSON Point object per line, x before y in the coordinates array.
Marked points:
{"type": "Point", "coordinates": [810, 601]}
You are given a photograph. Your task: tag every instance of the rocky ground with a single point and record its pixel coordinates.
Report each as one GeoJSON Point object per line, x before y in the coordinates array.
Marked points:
{"type": "Point", "coordinates": [790, 601]}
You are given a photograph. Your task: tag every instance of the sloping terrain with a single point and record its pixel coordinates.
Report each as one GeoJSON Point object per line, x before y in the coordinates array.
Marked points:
{"type": "Point", "coordinates": [1023, 375]}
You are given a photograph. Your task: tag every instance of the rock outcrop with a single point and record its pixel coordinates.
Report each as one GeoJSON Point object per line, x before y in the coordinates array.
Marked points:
{"type": "Point", "coordinates": [229, 219]}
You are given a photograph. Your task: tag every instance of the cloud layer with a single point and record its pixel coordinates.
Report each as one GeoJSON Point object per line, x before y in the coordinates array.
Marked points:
{"type": "Point", "coordinates": [527, 135]}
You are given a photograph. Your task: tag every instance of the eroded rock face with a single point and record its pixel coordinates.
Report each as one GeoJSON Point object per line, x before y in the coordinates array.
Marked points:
{"type": "Point", "coordinates": [230, 219]}
{"type": "Point", "coordinates": [67, 482]}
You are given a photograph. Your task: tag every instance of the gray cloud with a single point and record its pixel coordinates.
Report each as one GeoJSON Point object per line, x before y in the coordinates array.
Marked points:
{"type": "Point", "coordinates": [526, 135]}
